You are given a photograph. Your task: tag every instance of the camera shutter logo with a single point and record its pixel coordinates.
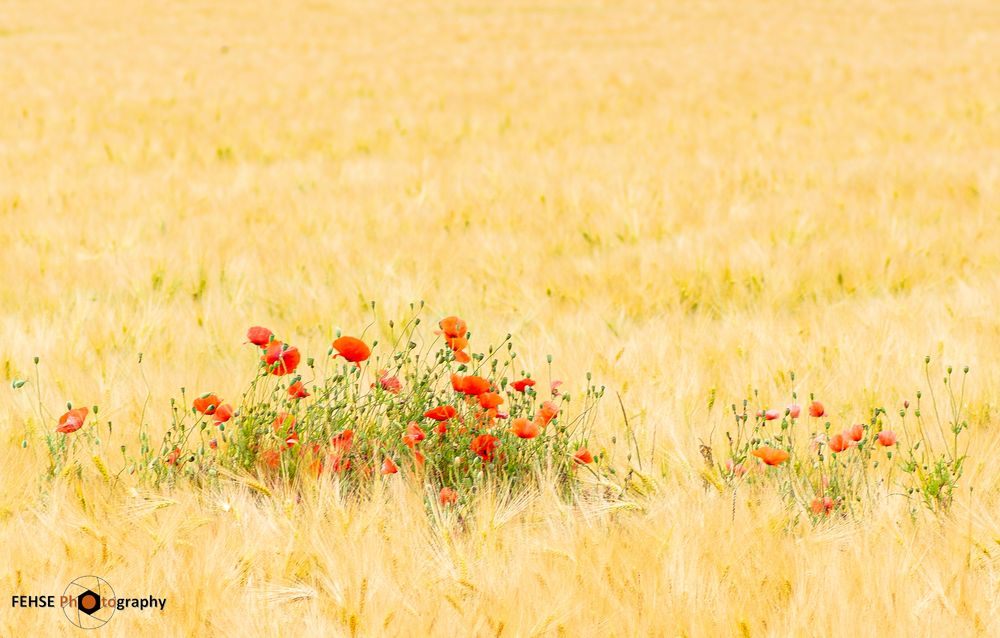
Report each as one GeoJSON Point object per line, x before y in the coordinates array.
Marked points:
{"type": "Point", "coordinates": [87, 595]}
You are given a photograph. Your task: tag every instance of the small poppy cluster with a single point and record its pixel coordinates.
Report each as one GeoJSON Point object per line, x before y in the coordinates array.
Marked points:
{"type": "Point", "coordinates": [432, 418]}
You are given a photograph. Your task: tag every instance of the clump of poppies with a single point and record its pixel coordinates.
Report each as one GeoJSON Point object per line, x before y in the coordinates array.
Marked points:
{"type": "Point", "coordinates": [456, 419]}
{"type": "Point", "coordinates": [837, 471]}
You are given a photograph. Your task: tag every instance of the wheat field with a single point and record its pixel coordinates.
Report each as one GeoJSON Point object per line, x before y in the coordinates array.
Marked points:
{"type": "Point", "coordinates": [683, 198]}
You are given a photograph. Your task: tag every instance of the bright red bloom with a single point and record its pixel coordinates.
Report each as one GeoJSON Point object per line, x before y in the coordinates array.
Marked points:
{"type": "Point", "coordinates": [291, 440]}
{"type": "Point", "coordinates": [484, 445]}
{"type": "Point", "coordinates": [822, 505]}
{"type": "Point", "coordinates": [390, 384]}
{"type": "Point", "coordinates": [521, 384]}
{"type": "Point", "coordinates": [281, 359]}
{"type": "Point", "coordinates": [473, 385]}
{"type": "Point", "coordinates": [770, 455]}
{"type": "Point", "coordinates": [207, 404]}
{"type": "Point", "coordinates": [173, 456]}
{"type": "Point", "coordinates": [72, 420]}
{"type": "Point", "coordinates": [457, 343]}
{"type": "Point", "coordinates": [342, 442]}
{"type": "Point", "coordinates": [816, 409]}
{"type": "Point", "coordinates": [353, 349]}
{"type": "Point", "coordinates": [223, 413]}
{"type": "Point", "coordinates": [271, 458]}
{"type": "Point", "coordinates": [887, 438]}
{"type": "Point", "coordinates": [388, 467]}
{"type": "Point", "coordinates": [838, 443]}
{"type": "Point", "coordinates": [794, 410]}
{"type": "Point", "coordinates": [490, 400]}
{"type": "Point", "coordinates": [418, 458]}
{"type": "Point", "coordinates": [546, 413]}
{"type": "Point", "coordinates": [259, 336]}
{"type": "Point", "coordinates": [583, 456]}
{"type": "Point", "coordinates": [441, 413]}
{"type": "Point", "coordinates": [282, 421]}
{"type": "Point", "coordinates": [452, 327]}
{"type": "Point", "coordinates": [525, 429]}
{"type": "Point", "coordinates": [212, 443]}
{"type": "Point", "coordinates": [413, 434]}
{"type": "Point", "coordinates": [857, 432]}
{"type": "Point", "coordinates": [448, 496]}
{"type": "Point", "coordinates": [297, 390]}
{"type": "Point", "coordinates": [771, 415]}
{"type": "Point", "coordinates": [462, 357]}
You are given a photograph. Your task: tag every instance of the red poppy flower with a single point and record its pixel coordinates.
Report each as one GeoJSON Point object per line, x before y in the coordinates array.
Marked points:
{"type": "Point", "coordinates": [448, 496]}
{"type": "Point", "coordinates": [794, 410]}
{"type": "Point", "coordinates": [212, 443]}
{"type": "Point", "coordinates": [223, 413]}
{"type": "Point", "coordinates": [771, 415]}
{"type": "Point", "coordinates": [207, 403]}
{"type": "Point", "coordinates": [473, 385]}
{"type": "Point", "coordinates": [452, 327]}
{"type": "Point", "coordinates": [457, 343]}
{"type": "Point", "coordinates": [418, 458]}
{"type": "Point", "coordinates": [546, 413]}
{"type": "Point", "coordinates": [490, 400]}
{"type": "Point", "coordinates": [484, 445]}
{"type": "Point", "coordinates": [297, 390]}
{"type": "Point", "coordinates": [173, 456]}
{"type": "Point", "coordinates": [441, 413]}
{"type": "Point", "coordinates": [353, 349]}
{"type": "Point", "coordinates": [390, 384]}
{"type": "Point", "coordinates": [413, 434]}
{"type": "Point", "coordinates": [822, 505]}
{"type": "Point", "coordinates": [887, 438]}
{"type": "Point", "coordinates": [339, 464]}
{"type": "Point", "coordinates": [838, 443]}
{"type": "Point", "coordinates": [521, 384]}
{"type": "Point", "coordinates": [259, 336]}
{"type": "Point", "coordinates": [342, 441]}
{"type": "Point", "coordinates": [291, 440]}
{"type": "Point", "coordinates": [462, 357]}
{"type": "Point", "coordinates": [770, 455]}
{"type": "Point", "coordinates": [583, 456]}
{"type": "Point", "coordinates": [271, 458]}
{"type": "Point", "coordinates": [816, 409]}
{"type": "Point", "coordinates": [281, 359]}
{"type": "Point", "coordinates": [72, 420]}
{"type": "Point", "coordinates": [525, 429]}
{"type": "Point", "coordinates": [282, 421]}
{"type": "Point", "coordinates": [857, 432]}
{"type": "Point", "coordinates": [388, 467]}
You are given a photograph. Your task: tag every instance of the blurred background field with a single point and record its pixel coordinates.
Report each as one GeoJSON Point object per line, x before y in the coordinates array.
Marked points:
{"type": "Point", "coordinates": [680, 197]}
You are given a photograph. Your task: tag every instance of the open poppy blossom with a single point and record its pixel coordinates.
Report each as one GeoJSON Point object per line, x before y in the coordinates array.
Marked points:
{"type": "Point", "coordinates": [525, 429]}
{"type": "Point", "coordinates": [441, 413]}
{"type": "Point", "coordinates": [342, 442]}
{"type": "Point", "coordinates": [857, 432]}
{"type": "Point", "coordinates": [771, 415]}
{"type": "Point", "coordinates": [72, 420]}
{"type": "Point", "coordinates": [794, 410]}
{"type": "Point", "coordinates": [223, 413]}
{"type": "Point", "coordinates": [887, 438]}
{"type": "Point", "coordinates": [822, 505]}
{"type": "Point", "coordinates": [389, 467]}
{"type": "Point", "coordinates": [838, 443]}
{"type": "Point", "coordinates": [173, 457]}
{"type": "Point", "coordinates": [522, 384]}
{"type": "Point", "coordinates": [413, 434]}
{"type": "Point", "coordinates": [448, 496]}
{"type": "Point", "coordinates": [484, 446]}
{"type": "Point", "coordinates": [390, 384]}
{"type": "Point", "coordinates": [297, 390]}
{"type": "Point", "coordinates": [583, 456]}
{"type": "Point", "coordinates": [207, 403]}
{"type": "Point", "coordinates": [452, 327]}
{"type": "Point", "coordinates": [259, 336]}
{"type": "Point", "coordinates": [490, 400]}
{"type": "Point", "coordinates": [291, 440]}
{"type": "Point", "coordinates": [282, 421]}
{"type": "Point", "coordinates": [470, 385]}
{"type": "Point", "coordinates": [352, 349]}
{"type": "Point", "coordinates": [281, 359]}
{"type": "Point", "coordinates": [770, 455]}
{"type": "Point", "coordinates": [546, 413]}
{"type": "Point", "coordinates": [816, 409]}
